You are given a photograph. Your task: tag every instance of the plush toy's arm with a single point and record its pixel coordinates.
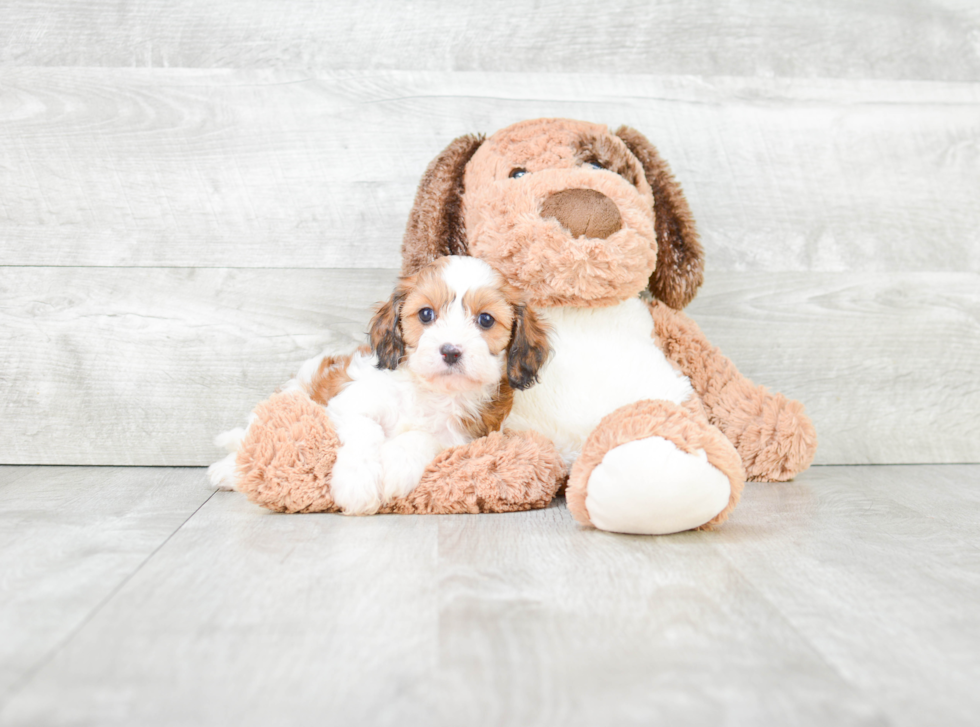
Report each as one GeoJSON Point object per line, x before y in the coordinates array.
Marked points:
{"type": "Point", "coordinates": [775, 439]}
{"type": "Point", "coordinates": [286, 460]}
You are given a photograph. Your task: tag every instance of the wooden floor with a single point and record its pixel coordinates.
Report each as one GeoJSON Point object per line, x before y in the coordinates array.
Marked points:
{"type": "Point", "coordinates": [135, 596]}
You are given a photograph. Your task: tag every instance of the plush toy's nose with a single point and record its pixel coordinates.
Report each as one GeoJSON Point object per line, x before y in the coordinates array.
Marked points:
{"type": "Point", "coordinates": [583, 212]}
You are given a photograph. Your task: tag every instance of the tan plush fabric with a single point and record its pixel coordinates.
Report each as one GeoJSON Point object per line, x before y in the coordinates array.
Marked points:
{"type": "Point", "coordinates": [774, 437]}
{"type": "Point", "coordinates": [681, 425]}
{"type": "Point", "coordinates": [285, 461]}
{"type": "Point", "coordinates": [502, 472]}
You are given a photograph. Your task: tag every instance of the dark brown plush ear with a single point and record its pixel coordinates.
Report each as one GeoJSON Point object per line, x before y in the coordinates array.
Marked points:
{"type": "Point", "coordinates": [528, 349]}
{"type": "Point", "coordinates": [386, 331]}
{"type": "Point", "coordinates": [680, 259]}
{"type": "Point", "coordinates": [435, 225]}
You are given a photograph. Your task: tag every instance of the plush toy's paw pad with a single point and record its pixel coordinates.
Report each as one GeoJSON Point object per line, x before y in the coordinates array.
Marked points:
{"type": "Point", "coordinates": [649, 486]}
{"type": "Point", "coordinates": [655, 467]}
{"type": "Point", "coordinates": [221, 475]}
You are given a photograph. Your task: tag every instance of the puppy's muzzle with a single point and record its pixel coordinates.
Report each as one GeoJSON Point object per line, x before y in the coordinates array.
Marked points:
{"type": "Point", "coordinates": [583, 212]}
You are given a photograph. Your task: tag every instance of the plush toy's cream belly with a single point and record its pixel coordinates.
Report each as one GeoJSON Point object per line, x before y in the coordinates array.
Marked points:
{"type": "Point", "coordinates": [604, 358]}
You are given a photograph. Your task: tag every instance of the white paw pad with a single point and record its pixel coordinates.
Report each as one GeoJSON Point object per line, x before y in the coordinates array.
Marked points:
{"type": "Point", "coordinates": [650, 487]}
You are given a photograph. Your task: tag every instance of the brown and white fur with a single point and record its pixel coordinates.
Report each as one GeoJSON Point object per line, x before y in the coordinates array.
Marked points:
{"type": "Point", "coordinates": [447, 350]}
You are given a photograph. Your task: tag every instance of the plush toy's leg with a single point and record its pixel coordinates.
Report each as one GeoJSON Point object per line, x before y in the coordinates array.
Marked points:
{"type": "Point", "coordinates": [775, 437]}
{"type": "Point", "coordinates": [653, 468]}
{"type": "Point", "coordinates": [501, 472]}
{"type": "Point", "coordinates": [285, 462]}
{"type": "Point", "coordinates": [772, 434]}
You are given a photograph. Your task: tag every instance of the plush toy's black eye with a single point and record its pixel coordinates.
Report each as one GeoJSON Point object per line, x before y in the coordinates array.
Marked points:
{"type": "Point", "coordinates": [485, 320]}
{"type": "Point", "coordinates": [427, 315]}
{"type": "Point", "coordinates": [517, 173]}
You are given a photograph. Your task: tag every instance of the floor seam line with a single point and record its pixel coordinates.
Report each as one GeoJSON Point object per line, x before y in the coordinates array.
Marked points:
{"type": "Point", "coordinates": [822, 657]}
{"type": "Point", "coordinates": [29, 675]}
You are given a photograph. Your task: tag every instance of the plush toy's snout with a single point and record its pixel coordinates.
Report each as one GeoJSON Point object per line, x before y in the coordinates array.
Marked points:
{"type": "Point", "coordinates": [583, 212]}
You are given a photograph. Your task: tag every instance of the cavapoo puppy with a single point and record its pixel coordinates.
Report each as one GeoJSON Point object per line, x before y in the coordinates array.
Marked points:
{"type": "Point", "coordinates": [446, 352]}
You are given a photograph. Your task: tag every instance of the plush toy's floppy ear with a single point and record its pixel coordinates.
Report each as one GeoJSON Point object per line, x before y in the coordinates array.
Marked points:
{"type": "Point", "coordinates": [528, 348]}
{"type": "Point", "coordinates": [435, 225]}
{"type": "Point", "coordinates": [680, 260]}
{"type": "Point", "coordinates": [386, 331]}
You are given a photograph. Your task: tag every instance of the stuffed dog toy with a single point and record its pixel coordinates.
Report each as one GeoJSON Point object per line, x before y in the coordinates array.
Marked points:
{"type": "Point", "coordinates": [654, 429]}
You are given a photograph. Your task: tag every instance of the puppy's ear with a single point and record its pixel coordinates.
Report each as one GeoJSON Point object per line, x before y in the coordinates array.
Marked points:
{"type": "Point", "coordinates": [680, 259]}
{"type": "Point", "coordinates": [435, 225]}
{"type": "Point", "coordinates": [528, 349]}
{"type": "Point", "coordinates": [386, 331]}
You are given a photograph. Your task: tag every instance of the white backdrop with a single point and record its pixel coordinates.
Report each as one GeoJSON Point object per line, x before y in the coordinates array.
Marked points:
{"type": "Point", "coordinates": [196, 197]}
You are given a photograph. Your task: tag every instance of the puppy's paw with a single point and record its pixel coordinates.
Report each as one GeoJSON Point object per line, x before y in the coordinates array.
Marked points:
{"type": "Point", "coordinates": [221, 475]}
{"type": "Point", "coordinates": [230, 440]}
{"type": "Point", "coordinates": [355, 482]}
{"type": "Point", "coordinates": [404, 459]}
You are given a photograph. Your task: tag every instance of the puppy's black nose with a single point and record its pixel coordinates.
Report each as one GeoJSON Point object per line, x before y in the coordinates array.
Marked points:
{"type": "Point", "coordinates": [450, 354]}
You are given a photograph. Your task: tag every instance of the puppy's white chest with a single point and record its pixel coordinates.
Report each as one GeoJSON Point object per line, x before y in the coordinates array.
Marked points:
{"type": "Point", "coordinates": [604, 358]}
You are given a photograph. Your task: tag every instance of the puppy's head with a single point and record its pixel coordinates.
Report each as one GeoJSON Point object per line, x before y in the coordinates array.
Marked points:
{"type": "Point", "coordinates": [458, 326]}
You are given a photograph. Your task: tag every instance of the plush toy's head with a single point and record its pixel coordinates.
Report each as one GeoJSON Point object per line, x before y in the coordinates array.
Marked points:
{"type": "Point", "coordinates": [567, 211]}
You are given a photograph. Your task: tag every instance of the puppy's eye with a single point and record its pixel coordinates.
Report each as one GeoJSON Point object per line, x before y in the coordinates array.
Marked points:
{"type": "Point", "coordinates": [485, 320]}
{"type": "Point", "coordinates": [427, 315]}
{"type": "Point", "coordinates": [596, 165]}
{"type": "Point", "coordinates": [517, 173]}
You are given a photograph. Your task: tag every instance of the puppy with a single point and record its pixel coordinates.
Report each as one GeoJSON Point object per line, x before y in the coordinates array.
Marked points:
{"type": "Point", "coordinates": [447, 350]}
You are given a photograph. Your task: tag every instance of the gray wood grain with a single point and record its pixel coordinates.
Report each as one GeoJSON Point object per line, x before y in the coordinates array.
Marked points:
{"type": "Point", "coordinates": [294, 601]}
{"type": "Point", "coordinates": [923, 39]}
{"type": "Point", "coordinates": [846, 598]}
{"type": "Point", "coordinates": [8, 474]}
{"type": "Point", "coordinates": [879, 569]}
{"type": "Point", "coordinates": [145, 366]}
{"type": "Point", "coordinates": [69, 537]}
{"type": "Point", "coordinates": [886, 363]}
{"type": "Point", "coordinates": [285, 168]}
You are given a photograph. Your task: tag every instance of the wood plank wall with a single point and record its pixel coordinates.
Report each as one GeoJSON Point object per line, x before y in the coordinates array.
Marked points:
{"type": "Point", "coordinates": [194, 197]}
